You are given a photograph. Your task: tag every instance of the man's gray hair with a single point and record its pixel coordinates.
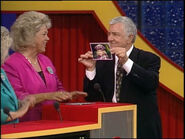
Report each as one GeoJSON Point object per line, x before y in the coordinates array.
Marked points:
{"type": "Point", "coordinates": [128, 24]}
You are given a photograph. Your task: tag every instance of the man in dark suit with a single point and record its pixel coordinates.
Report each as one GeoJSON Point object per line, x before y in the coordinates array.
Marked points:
{"type": "Point", "coordinates": [139, 81]}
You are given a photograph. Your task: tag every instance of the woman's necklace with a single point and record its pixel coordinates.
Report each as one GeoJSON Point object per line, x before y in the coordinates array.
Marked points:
{"type": "Point", "coordinates": [33, 63]}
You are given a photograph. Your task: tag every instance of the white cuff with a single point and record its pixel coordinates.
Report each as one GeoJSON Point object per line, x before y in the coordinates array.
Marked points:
{"type": "Point", "coordinates": [90, 74]}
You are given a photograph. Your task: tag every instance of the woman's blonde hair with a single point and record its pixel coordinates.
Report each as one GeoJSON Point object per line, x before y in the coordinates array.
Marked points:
{"type": "Point", "coordinates": [25, 28]}
{"type": "Point", "coordinates": [6, 43]}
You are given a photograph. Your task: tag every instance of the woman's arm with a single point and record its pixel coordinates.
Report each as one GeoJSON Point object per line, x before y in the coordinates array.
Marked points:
{"type": "Point", "coordinates": [58, 96]}
{"type": "Point", "coordinates": [24, 105]}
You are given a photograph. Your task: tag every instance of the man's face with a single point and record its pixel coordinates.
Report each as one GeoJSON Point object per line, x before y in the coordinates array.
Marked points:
{"type": "Point", "coordinates": [117, 36]}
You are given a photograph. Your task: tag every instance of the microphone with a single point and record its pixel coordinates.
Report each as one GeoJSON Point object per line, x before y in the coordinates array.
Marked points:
{"type": "Point", "coordinates": [97, 87]}
{"type": "Point", "coordinates": [57, 107]}
{"type": "Point", "coordinates": [7, 111]}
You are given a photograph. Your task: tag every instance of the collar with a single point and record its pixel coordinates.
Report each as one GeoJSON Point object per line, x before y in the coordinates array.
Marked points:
{"type": "Point", "coordinates": [130, 50]}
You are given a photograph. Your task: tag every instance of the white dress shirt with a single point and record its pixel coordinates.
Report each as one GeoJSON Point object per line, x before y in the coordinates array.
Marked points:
{"type": "Point", "coordinates": [127, 67]}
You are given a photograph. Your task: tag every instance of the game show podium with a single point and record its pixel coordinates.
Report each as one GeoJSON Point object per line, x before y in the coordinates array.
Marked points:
{"type": "Point", "coordinates": [92, 120]}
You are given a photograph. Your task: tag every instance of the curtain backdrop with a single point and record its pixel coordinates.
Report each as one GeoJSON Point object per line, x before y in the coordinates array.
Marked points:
{"type": "Point", "coordinates": [70, 37]}
{"type": "Point", "coordinates": [172, 114]}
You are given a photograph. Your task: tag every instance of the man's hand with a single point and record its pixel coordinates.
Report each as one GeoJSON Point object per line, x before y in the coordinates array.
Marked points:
{"type": "Point", "coordinates": [87, 60]}
{"type": "Point", "coordinates": [120, 53]}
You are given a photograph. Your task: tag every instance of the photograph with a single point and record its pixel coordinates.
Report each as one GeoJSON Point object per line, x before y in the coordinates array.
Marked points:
{"type": "Point", "coordinates": [101, 51]}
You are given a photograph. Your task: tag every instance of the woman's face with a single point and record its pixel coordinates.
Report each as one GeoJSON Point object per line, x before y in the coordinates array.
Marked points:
{"type": "Point", "coordinates": [41, 39]}
{"type": "Point", "coordinates": [4, 55]}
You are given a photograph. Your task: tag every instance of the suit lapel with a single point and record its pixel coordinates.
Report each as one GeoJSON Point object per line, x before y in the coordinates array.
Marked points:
{"type": "Point", "coordinates": [133, 54]}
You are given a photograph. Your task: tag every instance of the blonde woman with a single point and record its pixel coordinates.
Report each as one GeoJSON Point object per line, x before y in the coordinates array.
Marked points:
{"type": "Point", "coordinates": [9, 103]}
{"type": "Point", "coordinates": [29, 71]}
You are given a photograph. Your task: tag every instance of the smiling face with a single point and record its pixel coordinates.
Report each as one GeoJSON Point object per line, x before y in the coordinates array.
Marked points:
{"type": "Point", "coordinates": [117, 36]}
{"type": "Point", "coordinates": [41, 39]}
{"type": "Point", "coordinates": [101, 52]}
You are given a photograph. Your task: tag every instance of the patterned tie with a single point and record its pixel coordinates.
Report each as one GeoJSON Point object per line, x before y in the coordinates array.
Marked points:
{"type": "Point", "coordinates": [119, 76]}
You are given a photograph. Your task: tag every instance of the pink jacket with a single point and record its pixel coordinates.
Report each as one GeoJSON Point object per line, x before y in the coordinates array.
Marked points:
{"type": "Point", "coordinates": [25, 80]}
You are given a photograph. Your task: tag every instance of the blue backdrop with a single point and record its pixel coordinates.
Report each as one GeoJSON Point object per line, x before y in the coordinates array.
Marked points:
{"type": "Point", "coordinates": [161, 22]}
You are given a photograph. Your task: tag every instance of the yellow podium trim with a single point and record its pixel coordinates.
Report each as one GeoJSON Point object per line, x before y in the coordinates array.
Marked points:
{"type": "Point", "coordinates": [79, 128]}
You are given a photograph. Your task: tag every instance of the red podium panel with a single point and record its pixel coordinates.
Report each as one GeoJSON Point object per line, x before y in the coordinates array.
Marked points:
{"type": "Point", "coordinates": [77, 111]}
{"type": "Point", "coordinates": [75, 117]}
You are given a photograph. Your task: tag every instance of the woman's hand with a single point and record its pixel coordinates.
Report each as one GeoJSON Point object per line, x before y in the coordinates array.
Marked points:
{"type": "Point", "coordinates": [64, 96]}
{"type": "Point", "coordinates": [24, 105]}
{"type": "Point", "coordinates": [76, 94]}
{"type": "Point", "coordinates": [61, 96]}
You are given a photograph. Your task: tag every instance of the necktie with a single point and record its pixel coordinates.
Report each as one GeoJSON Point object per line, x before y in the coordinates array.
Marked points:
{"type": "Point", "coordinates": [119, 76]}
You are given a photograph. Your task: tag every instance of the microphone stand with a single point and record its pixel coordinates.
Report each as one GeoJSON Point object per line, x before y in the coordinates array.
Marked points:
{"type": "Point", "coordinates": [97, 87]}
{"type": "Point", "coordinates": [57, 107]}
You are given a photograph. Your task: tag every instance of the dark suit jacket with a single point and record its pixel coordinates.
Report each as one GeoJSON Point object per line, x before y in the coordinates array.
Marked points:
{"type": "Point", "coordinates": [138, 87]}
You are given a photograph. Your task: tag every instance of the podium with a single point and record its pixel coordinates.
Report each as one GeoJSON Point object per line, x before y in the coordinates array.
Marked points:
{"type": "Point", "coordinates": [92, 120]}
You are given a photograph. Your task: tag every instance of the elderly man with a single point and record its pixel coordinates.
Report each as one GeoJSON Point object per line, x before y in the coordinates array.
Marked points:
{"type": "Point", "coordinates": [131, 77]}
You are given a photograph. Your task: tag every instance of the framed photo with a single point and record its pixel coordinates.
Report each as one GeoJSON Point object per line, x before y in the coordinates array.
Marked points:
{"type": "Point", "coordinates": [101, 51]}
